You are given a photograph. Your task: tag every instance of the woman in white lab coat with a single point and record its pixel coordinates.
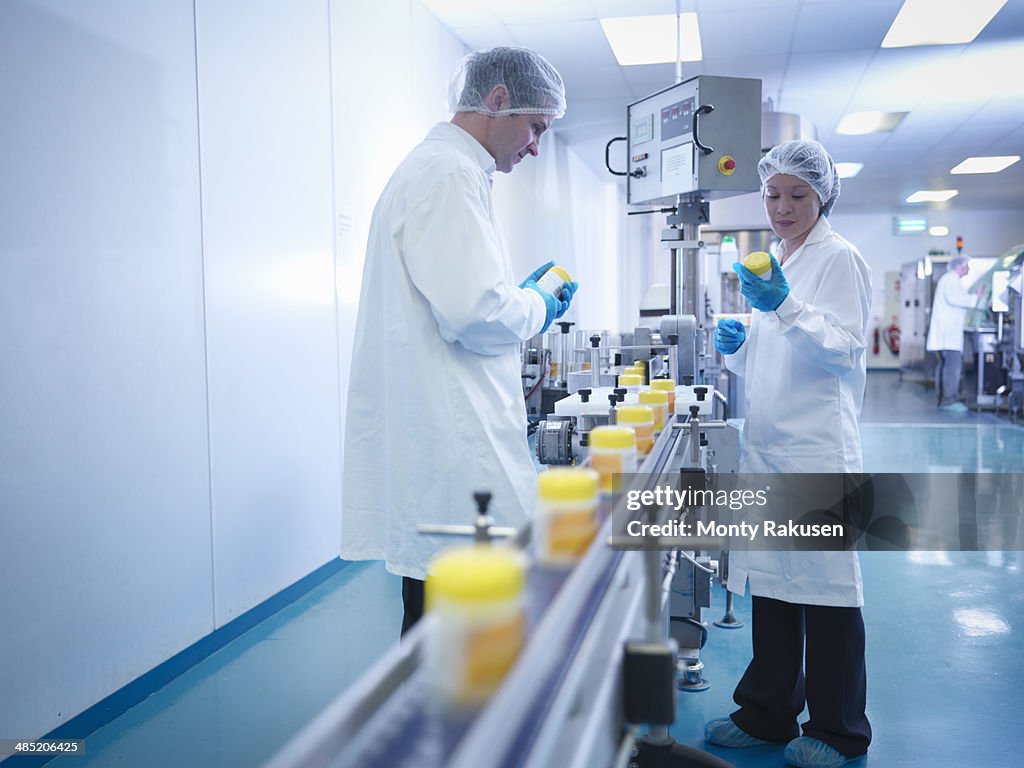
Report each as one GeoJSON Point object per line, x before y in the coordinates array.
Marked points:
{"type": "Point", "coordinates": [804, 369]}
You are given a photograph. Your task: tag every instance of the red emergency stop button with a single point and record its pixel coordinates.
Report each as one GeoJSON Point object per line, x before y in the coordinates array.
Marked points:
{"type": "Point", "coordinates": [727, 165]}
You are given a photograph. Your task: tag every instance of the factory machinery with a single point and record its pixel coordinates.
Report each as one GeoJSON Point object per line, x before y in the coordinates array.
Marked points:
{"type": "Point", "coordinates": [611, 641]}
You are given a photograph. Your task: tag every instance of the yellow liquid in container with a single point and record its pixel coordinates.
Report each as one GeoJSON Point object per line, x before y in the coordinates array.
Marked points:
{"type": "Point", "coordinates": [669, 388]}
{"type": "Point", "coordinates": [477, 593]}
{"type": "Point", "coordinates": [641, 419]}
{"type": "Point", "coordinates": [612, 452]}
{"type": "Point", "coordinates": [658, 402]}
{"type": "Point", "coordinates": [565, 523]}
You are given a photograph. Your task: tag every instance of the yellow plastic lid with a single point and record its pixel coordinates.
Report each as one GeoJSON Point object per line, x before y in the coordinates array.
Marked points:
{"type": "Point", "coordinates": [563, 484]}
{"type": "Point", "coordinates": [639, 363]}
{"type": "Point", "coordinates": [561, 273]}
{"type": "Point", "coordinates": [757, 262]}
{"type": "Point", "coordinates": [663, 385]}
{"type": "Point", "coordinates": [476, 574]}
{"type": "Point", "coordinates": [612, 437]}
{"type": "Point", "coordinates": [637, 369]}
{"type": "Point", "coordinates": [654, 396]}
{"type": "Point", "coordinates": [630, 380]}
{"type": "Point", "coordinates": [634, 414]}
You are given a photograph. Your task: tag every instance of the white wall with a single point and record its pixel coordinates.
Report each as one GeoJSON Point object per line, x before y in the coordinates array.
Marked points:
{"type": "Point", "coordinates": [264, 84]}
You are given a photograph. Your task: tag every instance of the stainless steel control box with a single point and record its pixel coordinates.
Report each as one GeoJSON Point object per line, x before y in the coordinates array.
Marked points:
{"type": "Point", "coordinates": [701, 137]}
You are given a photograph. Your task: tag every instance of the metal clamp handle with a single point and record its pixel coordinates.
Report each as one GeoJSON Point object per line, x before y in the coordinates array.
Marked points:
{"type": "Point", "coordinates": [607, 159]}
{"type": "Point", "coordinates": [702, 110]}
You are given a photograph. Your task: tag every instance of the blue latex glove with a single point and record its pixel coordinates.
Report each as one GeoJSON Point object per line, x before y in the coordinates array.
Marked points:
{"type": "Point", "coordinates": [537, 274]}
{"type": "Point", "coordinates": [729, 335]}
{"type": "Point", "coordinates": [765, 295]}
{"type": "Point", "coordinates": [552, 307]}
{"type": "Point", "coordinates": [568, 291]}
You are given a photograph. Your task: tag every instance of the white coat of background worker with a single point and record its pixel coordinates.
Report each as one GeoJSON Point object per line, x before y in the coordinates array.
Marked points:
{"type": "Point", "coordinates": [435, 404]}
{"type": "Point", "coordinates": [946, 333]}
{"type": "Point", "coordinates": [804, 371]}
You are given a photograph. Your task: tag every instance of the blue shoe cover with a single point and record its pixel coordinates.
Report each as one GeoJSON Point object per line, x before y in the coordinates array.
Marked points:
{"type": "Point", "coordinates": [725, 733]}
{"type": "Point", "coordinates": [806, 752]}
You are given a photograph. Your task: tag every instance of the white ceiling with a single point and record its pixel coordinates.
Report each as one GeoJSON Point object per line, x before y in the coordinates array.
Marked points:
{"type": "Point", "coordinates": [818, 58]}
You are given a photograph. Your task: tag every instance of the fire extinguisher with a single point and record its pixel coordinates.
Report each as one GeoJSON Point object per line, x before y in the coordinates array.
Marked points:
{"type": "Point", "coordinates": [892, 338]}
{"type": "Point", "coordinates": [875, 349]}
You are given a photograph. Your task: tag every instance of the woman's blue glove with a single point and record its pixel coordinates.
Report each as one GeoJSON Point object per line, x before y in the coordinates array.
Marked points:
{"type": "Point", "coordinates": [765, 295]}
{"type": "Point", "coordinates": [729, 335]}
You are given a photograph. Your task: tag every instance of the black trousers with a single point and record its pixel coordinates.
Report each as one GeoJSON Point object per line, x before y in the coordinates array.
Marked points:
{"type": "Point", "coordinates": [412, 601]}
{"type": "Point", "coordinates": [772, 692]}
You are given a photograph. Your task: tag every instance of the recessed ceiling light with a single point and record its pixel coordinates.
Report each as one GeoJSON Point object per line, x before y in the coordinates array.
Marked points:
{"type": "Point", "coordinates": [938, 231]}
{"type": "Point", "coordinates": [993, 164]}
{"type": "Point", "coordinates": [857, 123]}
{"type": "Point", "coordinates": [940, 22]}
{"type": "Point", "coordinates": [848, 170]}
{"type": "Point", "coordinates": [652, 39]}
{"type": "Point", "coordinates": [932, 195]}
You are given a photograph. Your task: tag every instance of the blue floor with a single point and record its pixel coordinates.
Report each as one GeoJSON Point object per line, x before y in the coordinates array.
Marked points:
{"type": "Point", "coordinates": [945, 636]}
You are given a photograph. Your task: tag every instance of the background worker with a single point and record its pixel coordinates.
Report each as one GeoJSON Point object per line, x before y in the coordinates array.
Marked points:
{"type": "Point", "coordinates": [946, 333]}
{"type": "Point", "coordinates": [804, 369]}
{"type": "Point", "coordinates": [435, 405]}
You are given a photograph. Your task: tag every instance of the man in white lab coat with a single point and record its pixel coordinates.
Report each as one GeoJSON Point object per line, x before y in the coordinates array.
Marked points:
{"type": "Point", "coordinates": [435, 403]}
{"type": "Point", "coordinates": [804, 370]}
{"type": "Point", "coordinates": [946, 333]}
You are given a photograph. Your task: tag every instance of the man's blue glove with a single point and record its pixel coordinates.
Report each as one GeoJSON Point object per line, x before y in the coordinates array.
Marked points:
{"type": "Point", "coordinates": [765, 295]}
{"type": "Point", "coordinates": [537, 274]}
{"type": "Point", "coordinates": [553, 307]}
{"type": "Point", "coordinates": [729, 335]}
{"type": "Point", "coordinates": [568, 291]}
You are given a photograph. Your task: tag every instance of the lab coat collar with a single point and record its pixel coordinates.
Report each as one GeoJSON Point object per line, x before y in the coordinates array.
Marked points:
{"type": "Point", "coordinates": [821, 230]}
{"type": "Point", "coordinates": [453, 134]}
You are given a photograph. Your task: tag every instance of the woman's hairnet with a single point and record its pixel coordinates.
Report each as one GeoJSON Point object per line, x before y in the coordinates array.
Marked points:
{"type": "Point", "coordinates": [807, 160]}
{"type": "Point", "coordinates": [534, 86]}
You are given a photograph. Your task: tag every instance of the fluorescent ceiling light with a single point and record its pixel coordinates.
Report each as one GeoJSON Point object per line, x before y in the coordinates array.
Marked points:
{"type": "Point", "coordinates": [652, 39]}
{"type": "Point", "coordinates": [932, 195]}
{"type": "Point", "coordinates": [938, 231]}
{"type": "Point", "coordinates": [993, 164]}
{"type": "Point", "coordinates": [848, 170]}
{"type": "Point", "coordinates": [940, 22]}
{"type": "Point", "coordinates": [857, 123]}
{"type": "Point", "coordinates": [905, 226]}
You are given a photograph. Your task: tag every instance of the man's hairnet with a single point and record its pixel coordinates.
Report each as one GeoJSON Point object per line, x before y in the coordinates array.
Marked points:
{"type": "Point", "coordinates": [534, 86]}
{"type": "Point", "coordinates": [809, 161]}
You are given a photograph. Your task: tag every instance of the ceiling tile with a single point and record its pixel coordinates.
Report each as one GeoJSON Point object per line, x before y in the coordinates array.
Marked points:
{"type": "Point", "coordinates": [762, 31]}
{"type": "Point", "coordinates": [843, 26]}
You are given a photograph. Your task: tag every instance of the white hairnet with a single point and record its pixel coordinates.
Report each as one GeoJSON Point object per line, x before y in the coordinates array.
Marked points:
{"type": "Point", "coordinates": [807, 160]}
{"type": "Point", "coordinates": [534, 86]}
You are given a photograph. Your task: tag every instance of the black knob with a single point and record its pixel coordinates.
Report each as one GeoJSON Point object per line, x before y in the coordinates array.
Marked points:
{"type": "Point", "coordinates": [483, 500]}
{"type": "Point", "coordinates": [564, 325]}
{"type": "Point", "coordinates": [703, 441]}
{"type": "Point", "coordinates": [694, 410]}
{"type": "Point", "coordinates": [673, 339]}
{"type": "Point", "coordinates": [595, 341]}
{"type": "Point", "coordinates": [585, 395]}
{"type": "Point", "coordinates": [613, 399]}
{"type": "Point", "coordinates": [618, 359]}
{"type": "Point", "coordinates": [620, 397]}
{"type": "Point", "coordinates": [688, 380]}
{"type": "Point", "coordinates": [700, 392]}
{"type": "Point", "coordinates": [620, 390]}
